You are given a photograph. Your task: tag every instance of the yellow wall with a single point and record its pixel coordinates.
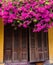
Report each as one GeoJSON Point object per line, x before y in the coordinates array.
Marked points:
{"type": "Point", "coordinates": [50, 39]}
{"type": "Point", "coordinates": [1, 41]}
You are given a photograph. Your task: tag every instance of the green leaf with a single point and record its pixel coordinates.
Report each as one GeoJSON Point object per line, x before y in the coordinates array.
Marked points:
{"type": "Point", "coordinates": [35, 21]}
{"type": "Point", "coordinates": [30, 9]}
{"type": "Point", "coordinates": [18, 21]}
{"type": "Point", "coordinates": [46, 2]}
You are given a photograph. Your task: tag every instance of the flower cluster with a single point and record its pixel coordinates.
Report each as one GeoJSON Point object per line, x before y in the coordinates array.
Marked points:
{"type": "Point", "coordinates": [35, 13]}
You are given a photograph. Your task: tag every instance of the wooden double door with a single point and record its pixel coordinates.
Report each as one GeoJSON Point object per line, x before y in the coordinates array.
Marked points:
{"type": "Point", "coordinates": [22, 45]}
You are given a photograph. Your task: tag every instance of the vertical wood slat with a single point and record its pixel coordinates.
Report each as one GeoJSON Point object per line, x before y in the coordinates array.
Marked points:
{"type": "Point", "coordinates": [45, 45]}
{"type": "Point", "coordinates": [12, 46]}
{"type": "Point", "coordinates": [17, 45]}
{"type": "Point", "coordinates": [24, 45]}
{"type": "Point", "coordinates": [32, 48]}
{"type": "Point", "coordinates": [7, 43]}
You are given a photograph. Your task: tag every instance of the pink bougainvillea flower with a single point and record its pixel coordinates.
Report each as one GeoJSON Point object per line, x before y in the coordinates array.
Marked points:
{"type": "Point", "coordinates": [47, 19]}
{"type": "Point", "coordinates": [51, 15]}
{"type": "Point", "coordinates": [45, 30]}
{"type": "Point", "coordinates": [20, 25]}
{"type": "Point", "coordinates": [26, 12]}
{"type": "Point", "coordinates": [24, 25]}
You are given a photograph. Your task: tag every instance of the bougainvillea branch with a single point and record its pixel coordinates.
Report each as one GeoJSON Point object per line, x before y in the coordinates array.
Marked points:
{"type": "Point", "coordinates": [38, 14]}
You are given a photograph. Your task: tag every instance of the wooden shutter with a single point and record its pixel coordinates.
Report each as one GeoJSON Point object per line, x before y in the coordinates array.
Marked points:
{"type": "Point", "coordinates": [45, 45]}
{"type": "Point", "coordinates": [20, 45]}
{"type": "Point", "coordinates": [43, 48]}
{"type": "Point", "coordinates": [24, 45]}
{"type": "Point", "coordinates": [16, 45]}
{"type": "Point", "coordinates": [38, 46]}
{"type": "Point", "coordinates": [7, 43]}
{"type": "Point", "coordinates": [32, 46]}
